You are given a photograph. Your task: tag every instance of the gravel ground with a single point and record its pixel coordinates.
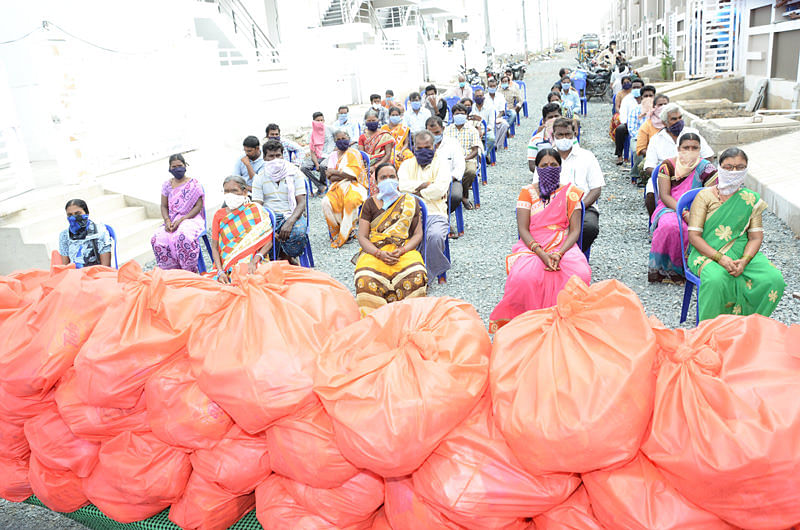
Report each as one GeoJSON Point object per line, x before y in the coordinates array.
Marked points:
{"type": "Point", "coordinates": [478, 271]}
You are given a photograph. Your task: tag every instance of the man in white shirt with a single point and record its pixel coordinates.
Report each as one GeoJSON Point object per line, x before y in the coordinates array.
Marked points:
{"type": "Point", "coordinates": [499, 103]}
{"type": "Point", "coordinates": [343, 121]}
{"type": "Point", "coordinates": [416, 116]}
{"type": "Point", "coordinates": [452, 156]}
{"type": "Point", "coordinates": [463, 90]}
{"type": "Point", "coordinates": [616, 77]}
{"type": "Point", "coordinates": [427, 176]}
{"type": "Point", "coordinates": [664, 145]}
{"type": "Point", "coordinates": [580, 167]}
{"type": "Point", "coordinates": [483, 110]}
{"type": "Point", "coordinates": [628, 103]}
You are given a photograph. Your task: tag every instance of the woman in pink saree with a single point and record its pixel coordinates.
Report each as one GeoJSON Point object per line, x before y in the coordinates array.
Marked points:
{"type": "Point", "coordinates": [546, 255]}
{"type": "Point", "coordinates": [175, 244]}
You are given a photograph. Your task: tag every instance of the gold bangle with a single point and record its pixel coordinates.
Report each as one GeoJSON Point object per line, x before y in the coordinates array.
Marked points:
{"type": "Point", "coordinates": [717, 256]}
{"type": "Point", "coordinates": [534, 245]}
{"type": "Point", "coordinates": [748, 257]}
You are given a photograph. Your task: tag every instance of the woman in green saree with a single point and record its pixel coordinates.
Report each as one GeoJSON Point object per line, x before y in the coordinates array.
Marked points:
{"type": "Point", "coordinates": [725, 234]}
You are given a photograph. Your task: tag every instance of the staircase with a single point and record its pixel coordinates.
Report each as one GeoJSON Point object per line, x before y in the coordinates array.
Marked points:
{"type": "Point", "coordinates": [29, 235]}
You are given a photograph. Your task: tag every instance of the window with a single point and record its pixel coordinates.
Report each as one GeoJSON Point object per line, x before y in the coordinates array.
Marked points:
{"type": "Point", "coordinates": [681, 25]}
{"type": "Point", "coordinates": [785, 51]}
{"type": "Point", "coordinates": [760, 16]}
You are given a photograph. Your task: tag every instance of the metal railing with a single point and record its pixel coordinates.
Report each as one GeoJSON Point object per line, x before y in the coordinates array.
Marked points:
{"type": "Point", "coordinates": [353, 12]}
{"type": "Point", "coordinates": [246, 26]}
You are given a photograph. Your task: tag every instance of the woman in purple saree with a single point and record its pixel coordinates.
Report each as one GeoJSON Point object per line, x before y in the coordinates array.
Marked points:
{"type": "Point", "coordinates": [175, 244]}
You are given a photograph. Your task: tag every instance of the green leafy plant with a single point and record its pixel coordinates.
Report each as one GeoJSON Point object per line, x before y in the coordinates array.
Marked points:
{"type": "Point", "coordinates": [667, 60]}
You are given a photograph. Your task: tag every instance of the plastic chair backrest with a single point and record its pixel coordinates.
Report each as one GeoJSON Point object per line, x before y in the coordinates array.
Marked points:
{"type": "Point", "coordinates": [580, 236]}
{"type": "Point", "coordinates": [451, 102]}
{"type": "Point", "coordinates": [114, 239]}
{"type": "Point", "coordinates": [684, 203]}
{"type": "Point", "coordinates": [580, 85]}
{"type": "Point", "coordinates": [654, 179]}
{"type": "Point", "coordinates": [272, 221]}
{"type": "Point", "coordinates": [524, 87]}
{"type": "Point", "coordinates": [474, 88]}
{"type": "Point", "coordinates": [424, 211]}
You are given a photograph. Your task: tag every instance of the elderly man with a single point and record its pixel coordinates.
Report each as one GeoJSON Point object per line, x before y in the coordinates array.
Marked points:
{"type": "Point", "coordinates": [452, 156]}
{"type": "Point", "coordinates": [629, 103]}
{"type": "Point", "coordinates": [343, 121]}
{"type": "Point", "coordinates": [416, 116]}
{"type": "Point", "coordinates": [500, 105]}
{"type": "Point", "coordinates": [320, 147]}
{"type": "Point", "coordinates": [280, 187]}
{"type": "Point", "coordinates": [289, 147]}
{"type": "Point", "coordinates": [664, 145]}
{"type": "Point", "coordinates": [512, 95]}
{"type": "Point", "coordinates": [251, 163]}
{"type": "Point", "coordinates": [427, 176]}
{"type": "Point", "coordinates": [469, 141]}
{"type": "Point", "coordinates": [636, 117]}
{"type": "Point", "coordinates": [580, 167]}
{"type": "Point", "coordinates": [483, 109]}
{"type": "Point", "coordinates": [461, 91]}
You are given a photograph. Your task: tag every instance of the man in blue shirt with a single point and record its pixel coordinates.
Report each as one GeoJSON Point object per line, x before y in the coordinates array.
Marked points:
{"type": "Point", "coordinates": [251, 163]}
{"type": "Point", "coordinates": [569, 96]}
{"type": "Point", "coordinates": [343, 121]}
{"type": "Point", "coordinates": [292, 151]}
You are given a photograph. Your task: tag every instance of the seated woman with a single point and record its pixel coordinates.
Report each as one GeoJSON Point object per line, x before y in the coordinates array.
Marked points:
{"type": "Point", "coordinates": [241, 232]}
{"type": "Point", "coordinates": [347, 191]}
{"type": "Point", "coordinates": [389, 268]}
{"type": "Point", "coordinates": [546, 255]}
{"type": "Point", "coordinates": [84, 243]}
{"type": "Point", "coordinates": [675, 177]}
{"type": "Point", "coordinates": [725, 234]}
{"type": "Point", "coordinates": [175, 244]}
{"type": "Point", "coordinates": [378, 144]}
{"type": "Point", "coordinates": [399, 132]}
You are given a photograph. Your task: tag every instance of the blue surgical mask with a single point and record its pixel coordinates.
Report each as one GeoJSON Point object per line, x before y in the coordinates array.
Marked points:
{"type": "Point", "coordinates": [459, 119]}
{"type": "Point", "coordinates": [492, 89]}
{"type": "Point", "coordinates": [504, 86]}
{"type": "Point", "coordinates": [387, 191]}
{"type": "Point", "coordinates": [462, 84]}
{"type": "Point", "coordinates": [637, 92]}
{"type": "Point", "coordinates": [389, 98]}
{"type": "Point", "coordinates": [416, 105]}
{"type": "Point", "coordinates": [343, 118]}
{"type": "Point", "coordinates": [437, 138]}
{"type": "Point", "coordinates": [395, 119]}
{"type": "Point", "coordinates": [565, 86]}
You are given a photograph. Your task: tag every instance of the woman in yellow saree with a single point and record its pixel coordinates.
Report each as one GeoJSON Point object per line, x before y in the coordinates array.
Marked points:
{"type": "Point", "coordinates": [241, 232]}
{"type": "Point", "coordinates": [389, 268]}
{"type": "Point", "coordinates": [400, 133]}
{"type": "Point", "coordinates": [348, 189]}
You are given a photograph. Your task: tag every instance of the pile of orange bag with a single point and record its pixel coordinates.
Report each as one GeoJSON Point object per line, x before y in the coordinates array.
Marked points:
{"type": "Point", "coordinates": [138, 392]}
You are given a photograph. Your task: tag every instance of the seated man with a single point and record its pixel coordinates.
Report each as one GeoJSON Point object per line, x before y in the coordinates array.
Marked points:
{"type": "Point", "coordinates": [469, 141]}
{"type": "Point", "coordinates": [629, 103]}
{"type": "Point", "coordinates": [417, 115]}
{"type": "Point", "coordinates": [544, 134]}
{"type": "Point", "coordinates": [435, 105]}
{"type": "Point", "coordinates": [449, 152]}
{"type": "Point", "coordinates": [388, 100]}
{"type": "Point", "coordinates": [569, 96]}
{"type": "Point", "coordinates": [320, 147]}
{"type": "Point", "coordinates": [426, 175]}
{"type": "Point", "coordinates": [561, 74]}
{"type": "Point", "coordinates": [652, 124]}
{"type": "Point", "coordinates": [463, 90]}
{"type": "Point", "coordinates": [636, 116]}
{"type": "Point", "coordinates": [290, 148]}
{"type": "Point", "coordinates": [281, 188]}
{"type": "Point", "coordinates": [251, 163]}
{"type": "Point", "coordinates": [343, 121]}
{"type": "Point", "coordinates": [383, 112]}
{"type": "Point", "coordinates": [512, 96]}
{"type": "Point", "coordinates": [500, 106]}
{"type": "Point", "coordinates": [580, 167]}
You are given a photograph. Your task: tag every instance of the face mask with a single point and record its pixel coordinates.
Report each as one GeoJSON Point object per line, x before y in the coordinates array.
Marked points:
{"type": "Point", "coordinates": [469, 109]}
{"type": "Point", "coordinates": [343, 118]}
{"type": "Point", "coordinates": [504, 86]}
{"type": "Point", "coordinates": [318, 126]}
{"type": "Point", "coordinates": [492, 89]}
{"type": "Point", "coordinates": [376, 106]}
{"type": "Point", "coordinates": [234, 200]}
{"type": "Point", "coordinates": [178, 172]}
{"type": "Point", "coordinates": [78, 223]}
{"type": "Point", "coordinates": [565, 87]}
{"type": "Point", "coordinates": [549, 180]}
{"type": "Point", "coordinates": [416, 105]}
{"type": "Point", "coordinates": [395, 119]}
{"type": "Point", "coordinates": [424, 156]}
{"type": "Point", "coordinates": [342, 144]}
{"type": "Point", "coordinates": [389, 98]}
{"type": "Point", "coordinates": [460, 119]}
{"type": "Point", "coordinates": [479, 100]}
{"type": "Point", "coordinates": [637, 92]}
{"type": "Point", "coordinates": [676, 128]}
{"type": "Point", "coordinates": [372, 125]}
{"type": "Point", "coordinates": [462, 84]}
{"type": "Point", "coordinates": [626, 86]}
{"type": "Point", "coordinates": [688, 158]}
{"type": "Point", "coordinates": [387, 191]}
{"type": "Point", "coordinates": [729, 182]}
{"type": "Point", "coordinates": [563, 144]}
{"type": "Point", "coordinates": [437, 138]}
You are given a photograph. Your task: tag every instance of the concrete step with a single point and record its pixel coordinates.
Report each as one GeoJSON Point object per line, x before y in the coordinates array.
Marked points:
{"type": "Point", "coordinates": [136, 235]}
{"type": "Point", "coordinates": [50, 199]}
{"type": "Point", "coordinates": [141, 254]}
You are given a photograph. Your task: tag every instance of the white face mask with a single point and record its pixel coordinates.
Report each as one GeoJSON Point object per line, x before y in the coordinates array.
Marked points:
{"type": "Point", "coordinates": [234, 200]}
{"type": "Point", "coordinates": [563, 144]}
{"type": "Point", "coordinates": [729, 182]}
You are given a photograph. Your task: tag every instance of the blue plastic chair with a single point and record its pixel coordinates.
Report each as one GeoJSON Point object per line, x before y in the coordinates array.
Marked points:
{"type": "Point", "coordinates": [425, 236]}
{"type": "Point", "coordinates": [307, 257]}
{"type": "Point", "coordinates": [579, 83]}
{"type": "Point", "coordinates": [114, 239]}
{"type": "Point", "coordinates": [654, 179]}
{"type": "Point", "coordinates": [451, 102]}
{"type": "Point", "coordinates": [476, 191]}
{"type": "Point", "coordinates": [484, 170]}
{"type": "Point", "coordinates": [492, 155]}
{"type": "Point", "coordinates": [685, 202]}
{"type": "Point", "coordinates": [203, 237]}
{"type": "Point", "coordinates": [512, 127]}
{"type": "Point", "coordinates": [474, 88]}
{"type": "Point", "coordinates": [524, 87]}
{"type": "Point", "coordinates": [459, 211]}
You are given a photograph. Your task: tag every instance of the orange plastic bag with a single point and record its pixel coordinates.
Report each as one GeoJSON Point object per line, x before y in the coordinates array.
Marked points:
{"type": "Point", "coordinates": [62, 319]}
{"type": "Point", "coordinates": [381, 522]}
{"type": "Point", "coordinates": [14, 485]}
{"type": "Point", "coordinates": [206, 506]}
{"type": "Point", "coordinates": [474, 479]}
{"type": "Point", "coordinates": [351, 504]}
{"type": "Point", "coordinates": [179, 413]}
{"type": "Point", "coordinates": [145, 328]}
{"type": "Point", "coordinates": [96, 424]}
{"type": "Point", "coordinates": [302, 447]}
{"type": "Point", "coordinates": [136, 477]}
{"type": "Point", "coordinates": [14, 409]}
{"type": "Point", "coordinates": [396, 382]}
{"type": "Point", "coordinates": [56, 447]}
{"type": "Point", "coordinates": [13, 444]}
{"type": "Point", "coordinates": [573, 514]}
{"type": "Point", "coordinates": [238, 463]}
{"type": "Point", "coordinates": [277, 509]}
{"type": "Point", "coordinates": [266, 373]}
{"type": "Point", "coordinates": [726, 424]}
{"type": "Point", "coordinates": [637, 496]}
{"type": "Point", "coordinates": [61, 491]}
{"type": "Point", "coordinates": [405, 509]}
{"type": "Point", "coordinates": [572, 385]}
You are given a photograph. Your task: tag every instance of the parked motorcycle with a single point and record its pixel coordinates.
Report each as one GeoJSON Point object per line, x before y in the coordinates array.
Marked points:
{"type": "Point", "coordinates": [518, 70]}
{"type": "Point", "coordinates": [597, 83]}
{"type": "Point", "coordinates": [472, 76]}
